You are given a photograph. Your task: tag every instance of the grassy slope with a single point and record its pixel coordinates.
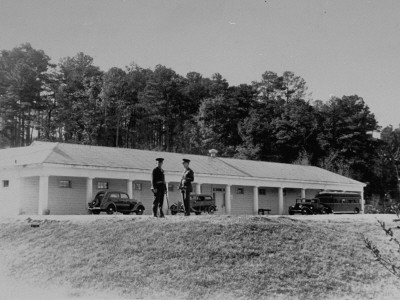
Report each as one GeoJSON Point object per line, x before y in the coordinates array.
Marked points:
{"type": "Point", "coordinates": [206, 257]}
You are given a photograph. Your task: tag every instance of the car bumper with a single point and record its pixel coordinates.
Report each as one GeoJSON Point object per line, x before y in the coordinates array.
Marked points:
{"type": "Point", "coordinates": [94, 208]}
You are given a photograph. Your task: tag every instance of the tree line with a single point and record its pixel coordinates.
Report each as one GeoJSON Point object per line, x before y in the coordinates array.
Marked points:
{"type": "Point", "coordinates": [271, 119]}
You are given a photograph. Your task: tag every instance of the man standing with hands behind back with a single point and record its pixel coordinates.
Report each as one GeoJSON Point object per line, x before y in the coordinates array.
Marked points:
{"type": "Point", "coordinates": [158, 187]}
{"type": "Point", "coordinates": [186, 185]}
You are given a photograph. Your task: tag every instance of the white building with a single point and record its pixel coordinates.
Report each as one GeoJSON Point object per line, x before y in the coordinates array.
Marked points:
{"type": "Point", "coordinates": [59, 178]}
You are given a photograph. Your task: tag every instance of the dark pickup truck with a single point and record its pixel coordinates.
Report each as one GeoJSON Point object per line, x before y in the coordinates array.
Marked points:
{"type": "Point", "coordinates": [113, 201]}
{"type": "Point", "coordinates": [199, 203]}
{"type": "Point", "coordinates": [308, 207]}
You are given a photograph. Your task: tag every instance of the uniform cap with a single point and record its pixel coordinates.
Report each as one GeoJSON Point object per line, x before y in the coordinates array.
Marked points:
{"type": "Point", "coordinates": [186, 160]}
{"type": "Point", "coordinates": [160, 159]}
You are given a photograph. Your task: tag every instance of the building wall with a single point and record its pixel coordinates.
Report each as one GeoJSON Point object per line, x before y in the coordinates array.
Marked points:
{"type": "Point", "coordinates": [174, 194]}
{"type": "Point", "coordinates": [206, 189]}
{"type": "Point", "coordinates": [218, 192]}
{"type": "Point", "coordinates": [145, 195]}
{"type": "Point", "coordinates": [311, 193]}
{"type": "Point", "coordinates": [290, 196]}
{"type": "Point", "coordinates": [9, 196]}
{"type": "Point", "coordinates": [29, 200]}
{"type": "Point", "coordinates": [242, 204]}
{"type": "Point", "coordinates": [67, 201]}
{"type": "Point", "coordinates": [269, 200]}
{"type": "Point", "coordinates": [119, 185]}
{"type": "Point", "coordinates": [73, 200]}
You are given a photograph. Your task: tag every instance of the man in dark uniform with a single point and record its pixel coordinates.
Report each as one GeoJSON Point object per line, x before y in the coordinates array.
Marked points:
{"type": "Point", "coordinates": [158, 187]}
{"type": "Point", "coordinates": [186, 185]}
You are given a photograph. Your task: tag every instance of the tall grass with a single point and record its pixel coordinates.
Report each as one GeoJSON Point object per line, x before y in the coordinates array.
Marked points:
{"type": "Point", "coordinates": [205, 257]}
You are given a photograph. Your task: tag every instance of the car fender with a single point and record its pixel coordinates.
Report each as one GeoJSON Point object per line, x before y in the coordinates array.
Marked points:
{"type": "Point", "coordinates": [110, 203]}
{"type": "Point", "coordinates": [105, 203]}
{"type": "Point", "coordinates": [137, 206]}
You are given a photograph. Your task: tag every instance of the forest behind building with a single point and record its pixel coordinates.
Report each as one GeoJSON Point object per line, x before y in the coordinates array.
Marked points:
{"type": "Point", "coordinates": [272, 119]}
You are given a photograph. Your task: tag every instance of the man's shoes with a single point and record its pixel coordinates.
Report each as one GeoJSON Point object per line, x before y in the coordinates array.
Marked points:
{"type": "Point", "coordinates": [162, 216]}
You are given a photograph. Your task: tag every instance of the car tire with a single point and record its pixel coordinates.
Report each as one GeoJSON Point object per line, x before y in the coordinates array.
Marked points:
{"type": "Point", "coordinates": [324, 211]}
{"type": "Point", "coordinates": [110, 210]}
{"type": "Point", "coordinates": [173, 209]}
{"type": "Point", "coordinates": [95, 212]}
{"type": "Point", "coordinates": [356, 211]}
{"type": "Point", "coordinates": [211, 210]}
{"type": "Point", "coordinates": [306, 212]}
{"type": "Point", "coordinates": [139, 211]}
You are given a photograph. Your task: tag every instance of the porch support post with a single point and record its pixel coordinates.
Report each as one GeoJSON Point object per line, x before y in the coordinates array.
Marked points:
{"type": "Point", "coordinates": [19, 194]}
{"type": "Point", "coordinates": [43, 204]}
{"type": "Point", "coordinates": [280, 201]}
{"type": "Point", "coordinates": [89, 189]}
{"type": "Point", "coordinates": [362, 202]}
{"type": "Point", "coordinates": [198, 188]}
{"type": "Point", "coordinates": [228, 204]}
{"type": "Point", "coordinates": [255, 200]}
{"type": "Point", "coordinates": [303, 193]}
{"type": "Point", "coordinates": [129, 188]}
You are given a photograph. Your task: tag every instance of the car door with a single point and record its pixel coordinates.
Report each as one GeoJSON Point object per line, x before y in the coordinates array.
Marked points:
{"type": "Point", "coordinates": [114, 198]}
{"type": "Point", "coordinates": [124, 202]}
{"type": "Point", "coordinates": [200, 202]}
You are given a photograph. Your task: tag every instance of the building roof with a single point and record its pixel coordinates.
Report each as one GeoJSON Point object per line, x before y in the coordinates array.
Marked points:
{"type": "Point", "coordinates": [108, 157]}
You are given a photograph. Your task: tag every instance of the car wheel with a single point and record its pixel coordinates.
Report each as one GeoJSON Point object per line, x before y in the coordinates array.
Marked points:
{"type": "Point", "coordinates": [211, 210]}
{"type": "Point", "coordinates": [306, 211]}
{"type": "Point", "coordinates": [110, 210]}
{"type": "Point", "coordinates": [139, 211]}
{"type": "Point", "coordinates": [324, 211]}
{"type": "Point", "coordinates": [173, 209]}
{"type": "Point", "coordinates": [95, 212]}
{"type": "Point", "coordinates": [356, 210]}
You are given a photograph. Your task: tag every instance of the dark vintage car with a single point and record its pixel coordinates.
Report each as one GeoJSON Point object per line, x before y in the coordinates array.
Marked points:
{"type": "Point", "coordinates": [113, 201]}
{"type": "Point", "coordinates": [308, 207]}
{"type": "Point", "coordinates": [199, 203]}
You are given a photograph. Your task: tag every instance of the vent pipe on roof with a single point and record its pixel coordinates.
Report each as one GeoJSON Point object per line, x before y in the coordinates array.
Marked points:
{"type": "Point", "coordinates": [213, 152]}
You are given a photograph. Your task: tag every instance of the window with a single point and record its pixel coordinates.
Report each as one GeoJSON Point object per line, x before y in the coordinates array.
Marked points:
{"type": "Point", "coordinates": [64, 184]}
{"type": "Point", "coordinates": [170, 187]}
{"type": "Point", "coordinates": [6, 183]}
{"type": "Point", "coordinates": [240, 191]}
{"type": "Point", "coordinates": [102, 185]}
{"type": "Point", "coordinates": [124, 196]}
{"type": "Point", "coordinates": [114, 195]}
{"type": "Point", "coordinates": [261, 192]}
{"type": "Point", "coordinates": [137, 186]}
{"type": "Point", "coordinates": [218, 190]}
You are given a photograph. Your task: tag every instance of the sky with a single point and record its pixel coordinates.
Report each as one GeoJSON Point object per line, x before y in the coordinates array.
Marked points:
{"type": "Point", "coordinates": [339, 47]}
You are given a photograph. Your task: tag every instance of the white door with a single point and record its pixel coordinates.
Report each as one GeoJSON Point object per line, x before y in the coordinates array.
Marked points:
{"type": "Point", "coordinates": [220, 202]}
